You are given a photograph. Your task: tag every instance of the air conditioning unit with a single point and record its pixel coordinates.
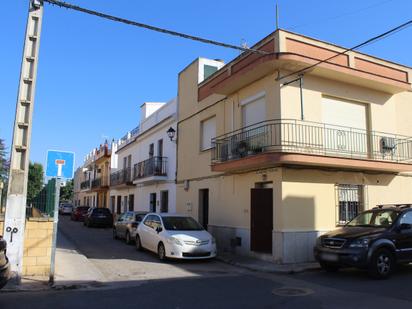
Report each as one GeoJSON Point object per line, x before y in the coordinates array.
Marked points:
{"type": "Point", "coordinates": [242, 148]}
{"type": "Point", "coordinates": [387, 144]}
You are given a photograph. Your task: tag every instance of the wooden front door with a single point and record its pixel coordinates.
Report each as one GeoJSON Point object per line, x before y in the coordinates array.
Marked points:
{"type": "Point", "coordinates": [261, 220]}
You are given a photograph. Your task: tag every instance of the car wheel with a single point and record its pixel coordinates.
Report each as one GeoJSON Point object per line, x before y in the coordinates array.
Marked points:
{"type": "Point", "coordinates": [115, 234]}
{"type": "Point", "coordinates": [330, 268]}
{"type": "Point", "coordinates": [138, 244]}
{"type": "Point", "coordinates": [161, 252]}
{"type": "Point", "coordinates": [381, 264]}
{"type": "Point", "coordinates": [128, 239]}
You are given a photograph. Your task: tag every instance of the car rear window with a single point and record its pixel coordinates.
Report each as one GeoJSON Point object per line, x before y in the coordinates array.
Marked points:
{"type": "Point", "coordinates": [139, 217]}
{"type": "Point", "coordinates": [104, 211]}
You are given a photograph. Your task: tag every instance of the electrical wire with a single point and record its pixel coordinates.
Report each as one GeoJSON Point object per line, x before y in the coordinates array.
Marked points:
{"type": "Point", "coordinates": [153, 28]}
{"type": "Point", "coordinates": [365, 43]}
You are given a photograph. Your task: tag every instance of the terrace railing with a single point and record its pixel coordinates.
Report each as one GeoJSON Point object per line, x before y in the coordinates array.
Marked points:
{"type": "Point", "coordinates": [119, 177]}
{"type": "Point", "coordinates": [305, 137]}
{"type": "Point", "coordinates": [85, 185]}
{"type": "Point", "coordinates": [154, 166]}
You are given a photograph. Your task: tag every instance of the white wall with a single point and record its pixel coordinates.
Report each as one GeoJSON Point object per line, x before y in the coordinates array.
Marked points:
{"type": "Point", "coordinates": [152, 129]}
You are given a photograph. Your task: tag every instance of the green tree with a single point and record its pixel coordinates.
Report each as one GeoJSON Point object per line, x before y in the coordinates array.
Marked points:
{"type": "Point", "coordinates": [66, 192]}
{"type": "Point", "coordinates": [35, 183]}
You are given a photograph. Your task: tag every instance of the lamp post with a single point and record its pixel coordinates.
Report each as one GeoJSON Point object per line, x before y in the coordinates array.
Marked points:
{"type": "Point", "coordinates": [171, 133]}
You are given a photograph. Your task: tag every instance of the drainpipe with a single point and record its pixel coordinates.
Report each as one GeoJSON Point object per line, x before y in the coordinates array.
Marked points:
{"type": "Point", "coordinates": [301, 97]}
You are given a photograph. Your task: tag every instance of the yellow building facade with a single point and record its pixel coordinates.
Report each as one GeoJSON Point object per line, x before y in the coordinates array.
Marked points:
{"type": "Point", "coordinates": [269, 160]}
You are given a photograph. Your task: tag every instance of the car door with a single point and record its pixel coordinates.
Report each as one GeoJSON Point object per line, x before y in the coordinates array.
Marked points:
{"type": "Point", "coordinates": [118, 225]}
{"type": "Point", "coordinates": [154, 235]}
{"type": "Point", "coordinates": [145, 231]}
{"type": "Point", "coordinates": [404, 238]}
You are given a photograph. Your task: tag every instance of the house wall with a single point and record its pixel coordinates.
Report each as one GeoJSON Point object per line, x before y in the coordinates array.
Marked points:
{"type": "Point", "coordinates": [304, 199]}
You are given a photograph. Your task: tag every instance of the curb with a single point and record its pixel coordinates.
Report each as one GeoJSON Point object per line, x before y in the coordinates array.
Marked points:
{"type": "Point", "coordinates": [275, 268]}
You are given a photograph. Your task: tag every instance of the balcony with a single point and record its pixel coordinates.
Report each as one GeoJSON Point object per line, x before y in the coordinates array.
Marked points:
{"type": "Point", "coordinates": [150, 170]}
{"type": "Point", "coordinates": [99, 184]}
{"type": "Point", "coordinates": [121, 177]}
{"type": "Point", "coordinates": [85, 185]}
{"type": "Point", "coordinates": [293, 142]}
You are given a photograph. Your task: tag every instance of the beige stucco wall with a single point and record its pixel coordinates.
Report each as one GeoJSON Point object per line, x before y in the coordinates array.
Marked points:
{"type": "Point", "coordinates": [387, 113]}
{"type": "Point", "coordinates": [229, 197]}
{"type": "Point", "coordinates": [309, 200]}
{"type": "Point", "coordinates": [228, 114]}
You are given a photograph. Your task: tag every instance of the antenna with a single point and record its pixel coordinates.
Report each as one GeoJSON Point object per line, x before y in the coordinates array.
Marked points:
{"type": "Point", "coordinates": [277, 16]}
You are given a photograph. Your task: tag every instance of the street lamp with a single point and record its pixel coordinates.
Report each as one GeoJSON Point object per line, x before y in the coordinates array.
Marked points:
{"type": "Point", "coordinates": [171, 133]}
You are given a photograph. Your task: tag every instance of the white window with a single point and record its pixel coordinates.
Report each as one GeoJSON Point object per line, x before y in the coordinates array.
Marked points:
{"type": "Point", "coordinates": [344, 113]}
{"type": "Point", "coordinates": [208, 131]}
{"type": "Point", "coordinates": [253, 109]}
{"type": "Point", "coordinates": [346, 125]}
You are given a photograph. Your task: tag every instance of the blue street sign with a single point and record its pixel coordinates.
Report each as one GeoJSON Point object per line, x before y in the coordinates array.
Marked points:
{"type": "Point", "coordinates": [60, 164]}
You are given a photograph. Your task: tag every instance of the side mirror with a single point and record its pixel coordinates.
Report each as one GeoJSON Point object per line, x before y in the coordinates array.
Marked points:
{"type": "Point", "coordinates": [405, 226]}
{"type": "Point", "coordinates": [159, 229]}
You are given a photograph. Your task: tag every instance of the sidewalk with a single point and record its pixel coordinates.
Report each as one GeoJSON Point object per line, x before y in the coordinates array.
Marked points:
{"type": "Point", "coordinates": [255, 264]}
{"type": "Point", "coordinates": [72, 267]}
{"type": "Point", "coordinates": [73, 270]}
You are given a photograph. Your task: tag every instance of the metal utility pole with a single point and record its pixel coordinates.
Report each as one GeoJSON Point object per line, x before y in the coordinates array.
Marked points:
{"type": "Point", "coordinates": [15, 217]}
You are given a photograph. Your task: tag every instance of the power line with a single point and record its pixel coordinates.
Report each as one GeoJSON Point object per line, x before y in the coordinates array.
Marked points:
{"type": "Point", "coordinates": [367, 42]}
{"type": "Point", "coordinates": [152, 28]}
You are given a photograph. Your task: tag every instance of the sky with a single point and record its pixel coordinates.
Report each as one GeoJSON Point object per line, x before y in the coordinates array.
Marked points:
{"type": "Point", "coordinates": [94, 74]}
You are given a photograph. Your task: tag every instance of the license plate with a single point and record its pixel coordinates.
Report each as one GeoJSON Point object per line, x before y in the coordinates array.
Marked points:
{"type": "Point", "coordinates": [101, 216]}
{"type": "Point", "coordinates": [330, 257]}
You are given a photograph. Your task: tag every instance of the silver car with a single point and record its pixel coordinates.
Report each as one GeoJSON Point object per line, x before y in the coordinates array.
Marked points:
{"type": "Point", "coordinates": [65, 209]}
{"type": "Point", "coordinates": [125, 226]}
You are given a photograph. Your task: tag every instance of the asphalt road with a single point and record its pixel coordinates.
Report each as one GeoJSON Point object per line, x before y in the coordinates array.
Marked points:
{"type": "Point", "coordinates": [146, 283]}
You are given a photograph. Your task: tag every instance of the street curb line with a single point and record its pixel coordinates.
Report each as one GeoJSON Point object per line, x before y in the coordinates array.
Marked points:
{"type": "Point", "coordinates": [266, 269]}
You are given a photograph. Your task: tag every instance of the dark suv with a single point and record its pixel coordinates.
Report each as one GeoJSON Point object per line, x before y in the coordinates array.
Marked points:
{"type": "Point", "coordinates": [375, 240]}
{"type": "Point", "coordinates": [98, 217]}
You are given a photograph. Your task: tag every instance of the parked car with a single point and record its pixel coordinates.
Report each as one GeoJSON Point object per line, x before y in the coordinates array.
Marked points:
{"type": "Point", "coordinates": [79, 213]}
{"type": "Point", "coordinates": [174, 236]}
{"type": "Point", "coordinates": [98, 217]}
{"type": "Point", "coordinates": [126, 225]}
{"type": "Point", "coordinates": [374, 240]}
{"type": "Point", "coordinates": [4, 264]}
{"type": "Point", "coordinates": [65, 209]}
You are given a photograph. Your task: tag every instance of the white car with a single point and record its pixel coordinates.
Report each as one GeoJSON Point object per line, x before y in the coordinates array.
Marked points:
{"type": "Point", "coordinates": [175, 236]}
{"type": "Point", "coordinates": [65, 209]}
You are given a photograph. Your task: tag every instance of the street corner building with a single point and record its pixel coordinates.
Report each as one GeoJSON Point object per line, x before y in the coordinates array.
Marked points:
{"type": "Point", "coordinates": [269, 163]}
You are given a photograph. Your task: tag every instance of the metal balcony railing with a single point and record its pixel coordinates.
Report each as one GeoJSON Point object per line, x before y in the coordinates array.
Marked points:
{"type": "Point", "coordinates": [155, 166]}
{"type": "Point", "coordinates": [122, 176]}
{"type": "Point", "coordinates": [85, 185]}
{"type": "Point", "coordinates": [96, 183]}
{"type": "Point", "coordinates": [306, 137]}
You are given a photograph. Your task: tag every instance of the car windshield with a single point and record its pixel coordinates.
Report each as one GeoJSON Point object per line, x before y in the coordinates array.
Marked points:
{"type": "Point", "coordinates": [376, 218]}
{"type": "Point", "coordinates": [181, 224]}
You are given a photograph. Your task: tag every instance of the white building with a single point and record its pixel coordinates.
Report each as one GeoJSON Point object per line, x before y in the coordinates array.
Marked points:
{"type": "Point", "coordinates": [144, 163]}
